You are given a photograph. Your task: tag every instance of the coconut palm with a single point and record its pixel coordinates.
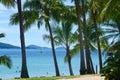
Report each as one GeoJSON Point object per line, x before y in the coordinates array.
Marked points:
{"type": "Point", "coordinates": [82, 63]}
{"type": "Point", "coordinates": [91, 38]}
{"type": "Point", "coordinates": [63, 36]}
{"type": "Point", "coordinates": [33, 14]}
{"type": "Point", "coordinates": [24, 71]}
{"type": "Point", "coordinates": [11, 3]}
{"type": "Point", "coordinates": [94, 12]}
{"type": "Point", "coordinates": [46, 13]}
{"type": "Point", "coordinates": [89, 63]}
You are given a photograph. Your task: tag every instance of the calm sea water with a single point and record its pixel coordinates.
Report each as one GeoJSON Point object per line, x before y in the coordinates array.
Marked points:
{"type": "Point", "coordinates": [40, 63]}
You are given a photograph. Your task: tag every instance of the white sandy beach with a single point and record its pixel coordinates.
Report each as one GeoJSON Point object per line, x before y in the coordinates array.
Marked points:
{"type": "Point", "coordinates": [87, 77]}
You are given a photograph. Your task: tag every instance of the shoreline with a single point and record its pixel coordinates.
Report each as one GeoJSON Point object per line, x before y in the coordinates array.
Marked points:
{"type": "Point", "coordinates": [78, 77]}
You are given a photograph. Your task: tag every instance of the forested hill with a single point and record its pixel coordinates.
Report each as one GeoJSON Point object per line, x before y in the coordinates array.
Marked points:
{"type": "Point", "coordinates": [8, 46]}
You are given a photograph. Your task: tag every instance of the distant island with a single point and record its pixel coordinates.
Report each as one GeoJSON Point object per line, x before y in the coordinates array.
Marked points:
{"type": "Point", "coordinates": [9, 46]}
{"type": "Point", "coordinates": [37, 47]}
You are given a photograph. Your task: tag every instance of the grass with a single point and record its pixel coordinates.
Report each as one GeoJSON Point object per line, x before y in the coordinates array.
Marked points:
{"type": "Point", "coordinates": [47, 78]}
{"type": "Point", "coordinates": [56, 78]}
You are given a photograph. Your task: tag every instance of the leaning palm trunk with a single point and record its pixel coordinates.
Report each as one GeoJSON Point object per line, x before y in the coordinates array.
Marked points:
{"type": "Point", "coordinates": [53, 49]}
{"type": "Point", "coordinates": [98, 40]}
{"type": "Point", "coordinates": [24, 71]}
{"type": "Point", "coordinates": [82, 63]}
{"type": "Point", "coordinates": [69, 60]}
{"type": "Point", "coordinates": [90, 69]}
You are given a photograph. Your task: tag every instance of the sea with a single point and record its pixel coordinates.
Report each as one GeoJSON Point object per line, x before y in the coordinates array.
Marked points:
{"type": "Point", "coordinates": [40, 63]}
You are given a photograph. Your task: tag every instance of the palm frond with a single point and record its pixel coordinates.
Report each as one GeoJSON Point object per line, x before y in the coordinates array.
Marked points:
{"type": "Point", "coordinates": [29, 18]}
{"type": "Point", "coordinates": [2, 35]}
{"type": "Point", "coordinates": [5, 60]}
{"type": "Point", "coordinates": [74, 51]}
{"type": "Point", "coordinates": [8, 3]}
{"type": "Point", "coordinates": [32, 5]}
{"type": "Point", "coordinates": [46, 37]}
{"type": "Point", "coordinates": [105, 9]}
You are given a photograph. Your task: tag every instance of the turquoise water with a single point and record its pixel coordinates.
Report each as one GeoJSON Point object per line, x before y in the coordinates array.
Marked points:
{"type": "Point", "coordinates": [40, 63]}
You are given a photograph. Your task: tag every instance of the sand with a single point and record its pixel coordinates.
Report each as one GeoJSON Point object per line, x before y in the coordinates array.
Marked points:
{"type": "Point", "coordinates": [87, 77]}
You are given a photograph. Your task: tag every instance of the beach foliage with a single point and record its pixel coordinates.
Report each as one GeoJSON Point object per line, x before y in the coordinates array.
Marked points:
{"type": "Point", "coordinates": [111, 69]}
{"type": "Point", "coordinates": [5, 60]}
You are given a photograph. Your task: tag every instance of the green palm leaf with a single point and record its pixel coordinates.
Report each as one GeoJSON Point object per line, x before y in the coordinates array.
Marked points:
{"type": "Point", "coordinates": [8, 3]}
{"type": "Point", "coordinates": [29, 18]}
{"type": "Point", "coordinates": [2, 35]}
{"type": "Point", "coordinates": [6, 61]}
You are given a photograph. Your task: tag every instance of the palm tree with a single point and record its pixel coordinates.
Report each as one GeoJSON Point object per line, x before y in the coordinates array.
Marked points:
{"type": "Point", "coordinates": [11, 3]}
{"type": "Point", "coordinates": [36, 12]}
{"type": "Point", "coordinates": [90, 69]}
{"type": "Point", "coordinates": [63, 36]}
{"type": "Point", "coordinates": [53, 49]}
{"type": "Point", "coordinates": [82, 63]}
{"type": "Point", "coordinates": [45, 14]}
{"type": "Point", "coordinates": [96, 7]}
{"type": "Point", "coordinates": [24, 71]}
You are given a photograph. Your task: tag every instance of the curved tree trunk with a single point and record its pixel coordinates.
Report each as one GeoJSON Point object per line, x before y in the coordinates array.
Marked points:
{"type": "Point", "coordinates": [82, 61]}
{"type": "Point", "coordinates": [98, 40]}
{"type": "Point", "coordinates": [24, 71]}
{"type": "Point", "coordinates": [90, 69]}
{"type": "Point", "coordinates": [69, 60]}
{"type": "Point", "coordinates": [53, 50]}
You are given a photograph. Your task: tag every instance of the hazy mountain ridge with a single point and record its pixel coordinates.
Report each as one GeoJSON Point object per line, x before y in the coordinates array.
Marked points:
{"type": "Point", "coordinates": [36, 47]}
{"type": "Point", "coordinates": [9, 46]}
{"type": "Point", "coordinates": [32, 47]}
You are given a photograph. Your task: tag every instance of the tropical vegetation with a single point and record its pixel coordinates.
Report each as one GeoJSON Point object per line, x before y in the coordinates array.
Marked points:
{"type": "Point", "coordinates": [4, 59]}
{"type": "Point", "coordinates": [63, 36]}
{"type": "Point", "coordinates": [98, 28]}
{"type": "Point", "coordinates": [9, 4]}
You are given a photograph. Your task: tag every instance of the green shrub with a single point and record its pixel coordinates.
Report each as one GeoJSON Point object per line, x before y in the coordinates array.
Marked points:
{"type": "Point", "coordinates": [111, 70]}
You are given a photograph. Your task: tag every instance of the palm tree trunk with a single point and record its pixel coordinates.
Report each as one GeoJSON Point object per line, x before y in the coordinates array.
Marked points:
{"type": "Point", "coordinates": [88, 57]}
{"type": "Point", "coordinates": [24, 71]}
{"type": "Point", "coordinates": [82, 61]}
{"type": "Point", "coordinates": [53, 49]}
{"type": "Point", "coordinates": [98, 40]}
{"type": "Point", "coordinates": [69, 60]}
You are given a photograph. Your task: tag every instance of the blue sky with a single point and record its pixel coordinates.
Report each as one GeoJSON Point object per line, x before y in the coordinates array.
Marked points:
{"type": "Point", "coordinates": [33, 36]}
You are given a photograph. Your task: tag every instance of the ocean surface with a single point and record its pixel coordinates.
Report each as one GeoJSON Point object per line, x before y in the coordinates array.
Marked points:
{"type": "Point", "coordinates": [40, 63]}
